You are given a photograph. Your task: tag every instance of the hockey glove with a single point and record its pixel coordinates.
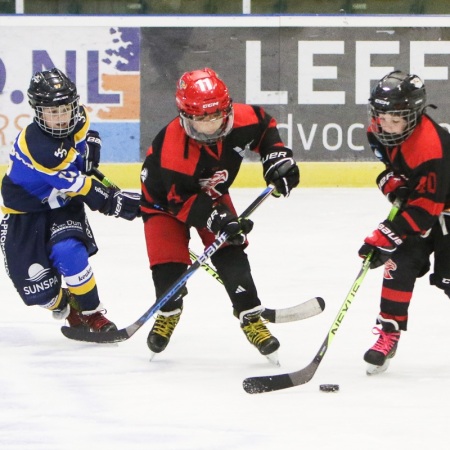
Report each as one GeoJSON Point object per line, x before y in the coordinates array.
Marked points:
{"type": "Point", "coordinates": [122, 204]}
{"type": "Point", "coordinates": [92, 151]}
{"type": "Point", "coordinates": [222, 219]}
{"type": "Point", "coordinates": [383, 242]}
{"type": "Point", "coordinates": [282, 173]}
{"type": "Point", "coordinates": [392, 186]}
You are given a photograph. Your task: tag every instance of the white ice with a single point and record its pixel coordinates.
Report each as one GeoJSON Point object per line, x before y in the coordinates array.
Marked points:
{"type": "Point", "coordinates": [57, 394]}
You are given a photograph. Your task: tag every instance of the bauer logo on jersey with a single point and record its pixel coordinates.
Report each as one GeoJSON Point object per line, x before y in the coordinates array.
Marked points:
{"type": "Point", "coordinates": [209, 185]}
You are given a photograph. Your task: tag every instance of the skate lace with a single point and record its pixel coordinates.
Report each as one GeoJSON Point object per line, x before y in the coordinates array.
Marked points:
{"type": "Point", "coordinates": [164, 326]}
{"type": "Point", "coordinates": [96, 321]}
{"type": "Point", "coordinates": [257, 332]}
{"type": "Point", "coordinates": [386, 341]}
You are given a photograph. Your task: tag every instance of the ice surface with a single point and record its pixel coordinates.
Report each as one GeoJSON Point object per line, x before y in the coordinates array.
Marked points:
{"type": "Point", "coordinates": [57, 394]}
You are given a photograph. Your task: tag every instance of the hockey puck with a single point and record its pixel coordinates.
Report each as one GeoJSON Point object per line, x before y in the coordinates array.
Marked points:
{"type": "Point", "coordinates": [329, 387]}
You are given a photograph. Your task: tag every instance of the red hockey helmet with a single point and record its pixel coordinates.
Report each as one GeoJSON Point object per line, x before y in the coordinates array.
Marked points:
{"type": "Point", "coordinates": [202, 96]}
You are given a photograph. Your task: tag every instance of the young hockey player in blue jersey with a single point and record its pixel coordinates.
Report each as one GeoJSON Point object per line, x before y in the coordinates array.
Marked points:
{"type": "Point", "coordinates": [46, 236]}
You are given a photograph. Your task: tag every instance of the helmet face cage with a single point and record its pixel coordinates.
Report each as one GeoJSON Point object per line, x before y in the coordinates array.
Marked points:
{"type": "Point", "coordinates": [410, 116]}
{"type": "Point", "coordinates": [397, 94]}
{"type": "Point", "coordinates": [202, 96]}
{"type": "Point", "coordinates": [189, 125]}
{"type": "Point", "coordinates": [54, 98]}
{"type": "Point", "coordinates": [58, 121]}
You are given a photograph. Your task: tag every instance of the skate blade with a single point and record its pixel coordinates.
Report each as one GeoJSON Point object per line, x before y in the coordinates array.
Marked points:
{"type": "Point", "coordinates": [273, 359]}
{"type": "Point", "coordinates": [376, 370]}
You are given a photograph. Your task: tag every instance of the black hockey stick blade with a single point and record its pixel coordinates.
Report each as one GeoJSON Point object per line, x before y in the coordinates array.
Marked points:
{"type": "Point", "coordinates": [109, 337]}
{"type": "Point", "coordinates": [304, 310]}
{"type": "Point", "coordinates": [270, 383]}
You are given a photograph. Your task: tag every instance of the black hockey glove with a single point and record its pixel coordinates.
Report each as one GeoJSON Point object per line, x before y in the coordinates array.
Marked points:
{"type": "Point", "coordinates": [393, 186]}
{"type": "Point", "coordinates": [122, 204]}
{"type": "Point", "coordinates": [222, 219]}
{"type": "Point", "coordinates": [383, 242]}
{"type": "Point", "coordinates": [281, 171]}
{"type": "Point", "coordinates": [92, 152]}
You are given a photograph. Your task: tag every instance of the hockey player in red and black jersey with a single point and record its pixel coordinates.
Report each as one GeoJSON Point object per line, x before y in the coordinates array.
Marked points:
{"type": "Point", "coordinates": [186, 177]}
{"type": "Point", "coordinates": [45, 232]}
{"type": "Point", "coordinates": [416, 153]}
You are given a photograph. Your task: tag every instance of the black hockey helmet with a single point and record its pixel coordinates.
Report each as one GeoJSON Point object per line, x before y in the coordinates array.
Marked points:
{"type": "Point", "coordinates": [399, 94]}
{"type": "Point", "coordinates": [53, 92]}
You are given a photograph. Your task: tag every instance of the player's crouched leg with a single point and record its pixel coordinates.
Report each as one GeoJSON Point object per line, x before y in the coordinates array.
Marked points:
{"type": "Point", "coordinates": [85, 308]}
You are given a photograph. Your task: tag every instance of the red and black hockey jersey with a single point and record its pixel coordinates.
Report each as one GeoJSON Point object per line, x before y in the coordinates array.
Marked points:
{"type": "Point", "coordinates": [424, 159]}
{"type": "Point", "coordinates": [184, 177]}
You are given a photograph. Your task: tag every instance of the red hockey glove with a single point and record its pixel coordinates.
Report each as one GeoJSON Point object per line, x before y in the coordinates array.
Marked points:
{"type": "Point", "coordinates": [392, 186]}
{"type": "Point", "coordinates": [383, 242]}
{"type": "Point", "coordinates": [222, 219]}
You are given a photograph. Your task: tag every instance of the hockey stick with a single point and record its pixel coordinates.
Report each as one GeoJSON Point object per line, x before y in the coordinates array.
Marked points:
{"type": "Point", "coordinates": [103, 179]}
{"type": "Point", "coordinates": [301, 311]}
{"type": "Point", "coordinates": [304, 310]}
{"type": "Point", "coordinates": [126, 333]}
{"type": "Point", "coordinates": [269, 383]}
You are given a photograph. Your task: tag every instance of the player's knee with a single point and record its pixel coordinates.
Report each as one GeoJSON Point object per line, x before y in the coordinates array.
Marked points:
{"type": "Point", "coordinates": [231, 258]}
{"type": "Point", "coordinates": [69, 256]}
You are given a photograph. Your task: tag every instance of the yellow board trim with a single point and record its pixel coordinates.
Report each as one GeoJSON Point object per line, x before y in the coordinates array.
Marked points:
{"type": "Point", "coordinates": [312, 174]}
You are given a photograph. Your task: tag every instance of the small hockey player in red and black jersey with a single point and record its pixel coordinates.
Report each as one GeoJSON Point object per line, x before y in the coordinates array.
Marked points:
{"type": "Point", "coordinates": [46, 236]}
{"type": "Point", "coordinates": [186, 177]}
{"type": "Point", "coordinates": [416, 153]}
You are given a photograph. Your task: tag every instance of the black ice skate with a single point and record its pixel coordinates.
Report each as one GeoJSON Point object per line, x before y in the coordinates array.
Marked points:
{"type": "Point", "coordinates": [162, 330]}
{"type": "Point", "coordinates": [257, 334]}
{"type": "Point", "coordinates": [379, 356]}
